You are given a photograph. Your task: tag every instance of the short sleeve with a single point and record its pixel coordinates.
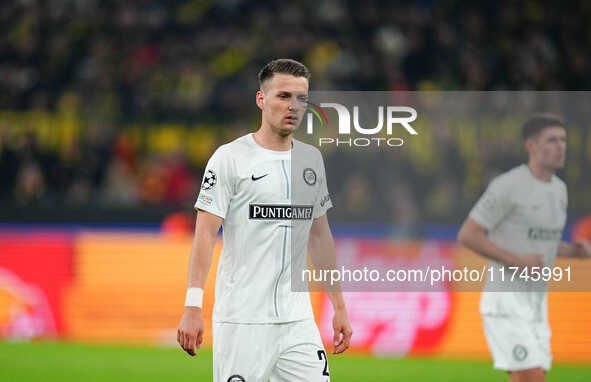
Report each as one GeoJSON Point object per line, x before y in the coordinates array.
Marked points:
{"type": "Point", "coordinates": [217, 185]}
{"type": "Point", "coordinates": [494, 204]}
{"type": "Point", "coordinates": [323, 202]}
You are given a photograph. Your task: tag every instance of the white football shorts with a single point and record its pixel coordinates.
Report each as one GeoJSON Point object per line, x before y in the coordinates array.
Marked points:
{"type": "Point", "coordinates": [285, 352]}
{"type": "Point", "coordinates": [517, 344]}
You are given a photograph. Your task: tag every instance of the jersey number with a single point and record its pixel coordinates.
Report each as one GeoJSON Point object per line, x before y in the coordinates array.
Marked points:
{"type": "Point", "coordinates": [322, 356]}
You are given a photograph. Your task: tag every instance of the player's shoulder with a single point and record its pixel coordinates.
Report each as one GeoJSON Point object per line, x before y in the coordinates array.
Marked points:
{"type": "Point", "coordinates": [233, 148]}
{"type": "Point", "coordinates": [306, 150]}
{"type": "Point", "coordinates": [510, 178]}
{"type": "Point", "coordinates": [516, 173]}
{"type": "Point", "coordinates": [559, 183]}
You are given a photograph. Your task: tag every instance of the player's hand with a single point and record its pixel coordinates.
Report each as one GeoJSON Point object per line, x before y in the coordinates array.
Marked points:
{"type": "Point", "coordinates": [342, 331]}
{"type": "Point", "coordinates": [190, 331]}
{"type": "Point", "coordinates": [582, 249]}
{"type": "Point", "coordinates": [530, 261]}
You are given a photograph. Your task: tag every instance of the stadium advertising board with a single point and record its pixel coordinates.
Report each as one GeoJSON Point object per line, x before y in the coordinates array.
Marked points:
{"type": "Point", "coordinates": [129, 288]}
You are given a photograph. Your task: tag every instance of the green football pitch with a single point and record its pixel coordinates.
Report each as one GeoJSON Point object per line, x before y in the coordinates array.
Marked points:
{"type": "Point", "coordinates": [77, 362]}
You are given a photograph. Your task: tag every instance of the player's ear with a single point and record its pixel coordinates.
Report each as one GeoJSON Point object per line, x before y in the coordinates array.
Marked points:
{"type": "Point", "coordinates": [529, 145]}
{"type": "Point", "coordinates": [259, 99]}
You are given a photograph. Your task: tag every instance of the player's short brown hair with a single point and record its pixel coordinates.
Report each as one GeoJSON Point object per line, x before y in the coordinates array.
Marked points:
{"type": "Point", "coordinates": [284, 66]}
{"type": "Point", "coordinates": [538, 122]}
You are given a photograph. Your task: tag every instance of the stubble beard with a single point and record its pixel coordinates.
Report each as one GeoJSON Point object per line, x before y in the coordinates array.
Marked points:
{"type": "Point", "coordinates": [285, 132]}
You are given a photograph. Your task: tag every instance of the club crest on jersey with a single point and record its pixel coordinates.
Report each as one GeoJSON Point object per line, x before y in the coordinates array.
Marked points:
{"type": "Point", "coordinates": [309, 176]}
{"type": "Point", "coordinates": [236, 378]}
{"type": "Point", "coordinates": [279, 212]}
{"type": "Point", "coordinates": [519, 352]}
{"type": "Point", "coordinates": [209, 180]}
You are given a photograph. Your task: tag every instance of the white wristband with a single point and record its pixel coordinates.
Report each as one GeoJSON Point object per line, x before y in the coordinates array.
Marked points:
{"type": "Point", "coordinates": [194, 297]}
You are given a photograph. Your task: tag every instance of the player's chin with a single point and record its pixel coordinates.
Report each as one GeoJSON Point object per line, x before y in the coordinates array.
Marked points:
{"type": "Point", "coordinates": [559, 165]}
{"type": "Point", "coordinates": [287, 129]}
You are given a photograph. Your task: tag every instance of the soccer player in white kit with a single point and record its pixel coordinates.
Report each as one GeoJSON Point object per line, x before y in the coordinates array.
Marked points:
{"type": "Point", "coordinates": [518, 222]}
{"type": "Point", "coordinates": [262, 330]}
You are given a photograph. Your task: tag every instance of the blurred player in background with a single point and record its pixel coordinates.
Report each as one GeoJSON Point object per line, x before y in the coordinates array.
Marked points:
{"type": "Point", "coordinates": [261, 329]}
{"type": "Point", "coordinates": [518, 222]}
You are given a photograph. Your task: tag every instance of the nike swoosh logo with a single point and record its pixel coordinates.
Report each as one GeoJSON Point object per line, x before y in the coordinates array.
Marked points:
{"type": "Point", "coordinates": [258, 177]}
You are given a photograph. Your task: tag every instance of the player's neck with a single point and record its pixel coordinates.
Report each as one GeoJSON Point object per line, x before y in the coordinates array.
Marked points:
{"type": "Point", "coordinates": [540, 172]}
{"type": "Point", "coordinates": [270, 140]}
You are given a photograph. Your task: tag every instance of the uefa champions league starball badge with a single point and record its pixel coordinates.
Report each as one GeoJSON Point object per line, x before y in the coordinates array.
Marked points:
{"type": "Point", "coordinates": [209, 180]}
{"type": "Point", "coordinates": [310, 176]}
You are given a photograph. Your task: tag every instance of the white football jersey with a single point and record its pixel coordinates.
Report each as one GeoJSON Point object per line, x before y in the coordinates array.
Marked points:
{"type": "Point", "coordinates": [268, 200]}
{"type": "Point", "coordinates": [526, 216]}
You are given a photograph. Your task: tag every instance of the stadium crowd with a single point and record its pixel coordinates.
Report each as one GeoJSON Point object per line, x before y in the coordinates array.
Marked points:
{"type": "Point", "coordinates": [85, 85]}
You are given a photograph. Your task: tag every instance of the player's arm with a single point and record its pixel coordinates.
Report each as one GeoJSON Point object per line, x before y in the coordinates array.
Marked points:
{"type": "Point", "coordinates": [322, 252]}
{"type": "Point", "coordinates": [474, 236]}
{"type": "Point", "coordinates": [577, 249]}
{"type": "Point", "coordinates": [190, 330]}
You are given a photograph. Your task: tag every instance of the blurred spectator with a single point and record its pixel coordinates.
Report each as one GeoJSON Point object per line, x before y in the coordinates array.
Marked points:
{"type": "Point", "coordinates": [354, 198]}
{"type": "Point", "coordinates": [120, 187]}
{"type": "Point", "coordinates": [30, 185]}
{"type": "Point", "coordinates": [405, 214]}
{"type": "Point", "coordinates": [153, 181]}
{"type": "Point", "coordinates": [181, 187]}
